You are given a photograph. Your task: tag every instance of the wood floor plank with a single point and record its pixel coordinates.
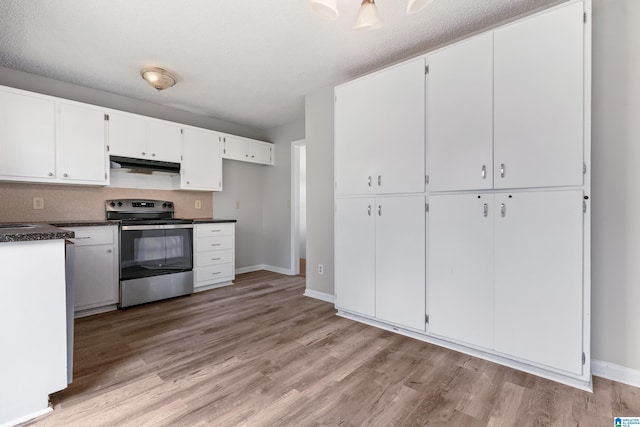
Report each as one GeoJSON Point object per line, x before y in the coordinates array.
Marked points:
{"type": "Point", "coordinates": [259, 353]}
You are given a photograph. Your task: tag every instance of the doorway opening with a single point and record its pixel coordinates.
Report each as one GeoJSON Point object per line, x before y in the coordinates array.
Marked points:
{"type": "Point", "coordinates": [299, 207]}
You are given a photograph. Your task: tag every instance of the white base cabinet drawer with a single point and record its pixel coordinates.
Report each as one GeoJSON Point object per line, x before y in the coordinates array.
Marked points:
{"type": "Point", "coordinates": [213, 230]}
{"type": "Point", "coordinates": [214, 243]}
{"type": "Point", "coordinates": [214, 273]}
{"type": "Point", "coordinates": [206, 259]}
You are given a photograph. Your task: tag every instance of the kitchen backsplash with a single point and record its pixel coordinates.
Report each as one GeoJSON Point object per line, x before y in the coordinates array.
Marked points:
{"type": "Point", "coordinates": [71, 203]}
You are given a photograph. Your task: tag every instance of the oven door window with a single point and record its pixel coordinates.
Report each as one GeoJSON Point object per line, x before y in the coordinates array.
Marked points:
{"type": "Point", "coordinates": [145, 253]}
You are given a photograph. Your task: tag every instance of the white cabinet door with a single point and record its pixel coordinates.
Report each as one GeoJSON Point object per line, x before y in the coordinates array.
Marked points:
{"type": "Point", "coordinates": [127, 136]}
{"type": "Point", "coordinates": [81, 144]}
{"type": "Point", "coordinates": [355, 255]}
{"type": "Point", "coordinates": [461, 116]}
{"type": "Point", "coordinates": [201, 167]}
{"type": "Point", "coordinates": [400, 260]}
{"type": "Point", "coordinates": [461, 268]}
{"type": "Point", "coordinates": [93, 277]}
{"type": "Point", "coordinates": [539, 100]}
{"type": "Point", "coordinates": [261, 152]}
{"type": "Point", "coordinates": [538, 277]}
{"type": "Point", "coordinates": [163, 141]}
{"type": "Point", "coordinates": [27, 136]}
{"type": "Point", "coordinates": [234, 148]}
{"type": "Point", "coordinates": [380, 132]}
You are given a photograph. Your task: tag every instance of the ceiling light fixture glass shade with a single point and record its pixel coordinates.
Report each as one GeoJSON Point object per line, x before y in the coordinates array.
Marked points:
{"type": "Point", "coordinates": [368, 16]}
{"type": "Point", "coordinates": [159, 78]}
{"type": "Point", "coordinates": [327, 9]}
{"type": "Point", "coordinates": [417, 5]}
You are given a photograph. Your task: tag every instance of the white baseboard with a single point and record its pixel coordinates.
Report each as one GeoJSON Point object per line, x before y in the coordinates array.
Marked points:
{"type": "Point", "coordinates": [319, 295]}
{"type": "Point", "coordinates": [258, 267]}
{"type": "Point", "coordinates": [614, 372]}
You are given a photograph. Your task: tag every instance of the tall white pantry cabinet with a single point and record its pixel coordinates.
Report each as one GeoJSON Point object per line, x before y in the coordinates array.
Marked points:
{"type": "Point", "coordinates": [462, 195]}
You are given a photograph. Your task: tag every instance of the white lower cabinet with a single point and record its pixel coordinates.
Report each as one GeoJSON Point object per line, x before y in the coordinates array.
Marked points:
{"type": "Point", "coordinates": [214, 255]}
{"type": "Point", "coordinates": [380, 258]}
{"type": "Point", "coordinates": [95, 269]}
{"type": "Point", "coordinates": [506, 274]}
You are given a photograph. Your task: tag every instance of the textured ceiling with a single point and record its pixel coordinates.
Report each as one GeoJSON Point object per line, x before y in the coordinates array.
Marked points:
{"type": "Point", "coordinates": [245, 61]}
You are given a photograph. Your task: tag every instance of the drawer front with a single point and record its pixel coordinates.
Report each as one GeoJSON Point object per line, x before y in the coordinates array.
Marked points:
{"type": "Point", "coordinates": [215, 272]}
{"type": "Point", "coordinates": [92, 235]}
{"type": "Point", "coordinates": [209, 230]}
{"type": "Point", "coordinates": [214, 243]}
{"type": "Point", "coordinates": [205, 259]}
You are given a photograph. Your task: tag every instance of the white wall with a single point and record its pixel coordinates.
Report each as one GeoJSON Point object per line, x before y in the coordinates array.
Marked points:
{"type": "Point", "coordinates": [241, 199]}
{"type": "Point", "coordinates": [319, 130]}
{"type": "Point", "coordinates": [616, 182]}
{"type": "Point", "coordinates": [276, 196]}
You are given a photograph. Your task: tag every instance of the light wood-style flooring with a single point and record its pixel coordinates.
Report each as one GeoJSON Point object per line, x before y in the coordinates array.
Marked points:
{"type": "Point", "coordinates": [259, 353]}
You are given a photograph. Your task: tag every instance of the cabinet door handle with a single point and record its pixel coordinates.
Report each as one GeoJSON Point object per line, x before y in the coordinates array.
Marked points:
{"type": "Point", "coordinates": [369, 210]}
{"type": "Point", "coordinates": [502, 168]}
{"type": "Point", "coordinates": [485, 210]}
{"type": "Point", "coordinates": [379, 180]}
{"type": "Point", "coordinates": [379, 210]}
{"type": "Point", "coordinates": [66, 175]}
{"type": "Point", "coordinates": [503, 210]}
{"type": "Point", "coordinates": [369, 181]}
{"type": "Point", "coordinates": [153, 154]}
{"type": "Point", "coordinates": [144, 154]}
{"type": "Point", "coordinates": [109, 251]}
{"type": "Point", "coordinates": [50, 173]}
{"type": "Point", "coordinates": [484, 171]}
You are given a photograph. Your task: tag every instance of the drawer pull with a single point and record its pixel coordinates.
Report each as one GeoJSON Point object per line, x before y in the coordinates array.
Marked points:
{"type": "Point", "coordinates": [216, 244]}
{"type": "Point", "coordinates": [215, 231]}
{"type": "Point", "coordinates": [82, 238]}
{"type": "Point", "coordinates": [216, 259]}
{"type": "Point", "coordinates": [214, 273]}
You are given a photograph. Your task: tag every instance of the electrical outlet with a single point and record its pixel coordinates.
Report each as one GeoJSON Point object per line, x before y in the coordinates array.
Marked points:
{"type": "Point", "coordinates": [38, 203]}
{"type": "Point", "coordinates": [198, 204]}
{"type": "Point", "coordinates": [320, 269]}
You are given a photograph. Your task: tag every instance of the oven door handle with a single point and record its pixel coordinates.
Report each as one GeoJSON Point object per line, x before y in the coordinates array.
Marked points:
{"type": "Point", "coordinates": [155, 227]}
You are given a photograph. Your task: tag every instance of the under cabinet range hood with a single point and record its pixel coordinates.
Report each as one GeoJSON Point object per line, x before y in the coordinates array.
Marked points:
{"type": "Point", "coordinates": [144, 166]}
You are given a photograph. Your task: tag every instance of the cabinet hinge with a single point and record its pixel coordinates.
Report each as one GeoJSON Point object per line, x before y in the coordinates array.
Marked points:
{"type": "Point", "coordinates": [584, 358]}
{"type": "Point", "coordinates": [584, 206]}
{"type": "Point", "coordinates": [426, 319]}
{"type": "Point", "coordinates": [426, 207]}
{"type": "Point", "coordinates": [106, 117]}
{"type": "Point", "coordinates": [585, 17]}
{"type": "Point", "coordinates": [426, 179]}
{"type": "Point", "coordinates": [224, 151]}
{"type": "Point", "coordinates": [584, 168]}
{"type": "Point", "coordinates": [181, 158]}
{"type": "Point", "coordinates": [426, 69]}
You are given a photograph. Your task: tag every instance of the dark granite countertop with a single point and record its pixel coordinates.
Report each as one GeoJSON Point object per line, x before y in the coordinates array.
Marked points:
{"type": "Point", "coordinates": [89, 223]}
{"type": "Point", "coordinates": [32, 232]}
{"type": "Point", "coordinates": [211, 220]}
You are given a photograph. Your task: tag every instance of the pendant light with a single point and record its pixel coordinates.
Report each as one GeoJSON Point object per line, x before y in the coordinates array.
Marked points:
{"type": "Point", "coordinates": [327, 9]}
{"type": "Point", "coordinates": [417, 5]}
{"type": "Point", "coordinates": [368, 16]}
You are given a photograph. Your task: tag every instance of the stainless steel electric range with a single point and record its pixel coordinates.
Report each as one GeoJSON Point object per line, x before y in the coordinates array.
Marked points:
{"type": "Point", "coordinates": [156, 250]}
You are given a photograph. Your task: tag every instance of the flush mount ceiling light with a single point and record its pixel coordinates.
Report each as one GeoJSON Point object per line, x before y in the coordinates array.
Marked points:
{"type": "Point", "coordinates": [159, 78]}
{"type": "Point", "coordinates": [367, 16]}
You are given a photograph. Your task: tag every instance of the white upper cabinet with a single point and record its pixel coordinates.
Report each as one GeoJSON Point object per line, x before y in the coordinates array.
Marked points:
{"type": "Point", "coordinates": [81, 145]}
{"type": "Point", "coordinates": [380, 132]}
{"type": "Point", "coordinates": [27, 137]}
{"type": "Point", "coordinates": [144, 138]}
{"type": "Point", "coordinates": [539, 100]}
{"type": "Point", "coordinates": [461, 116]}
{"type": "Point", "coordinates": [246, 150]}
{"type": "Point", "coordinates": [201, 167]}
